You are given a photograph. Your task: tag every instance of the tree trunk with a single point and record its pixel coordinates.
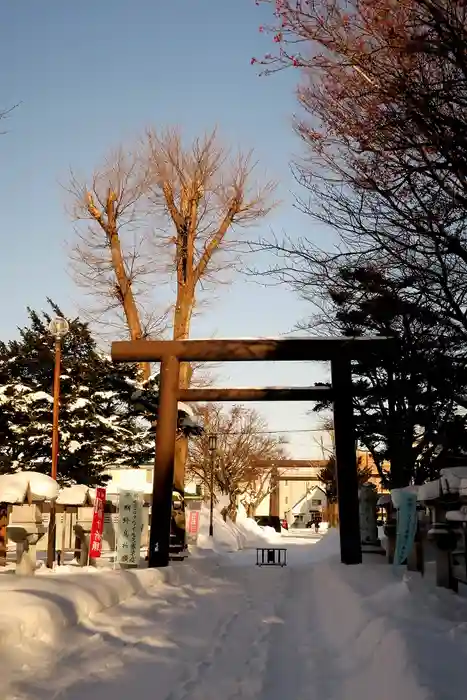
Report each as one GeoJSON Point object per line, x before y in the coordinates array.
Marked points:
{"type": "Point", "coordinates": [250, 511]}
{"type": "Point", "coordinates": [128, 300]}
{"type": "Point", "coordinates": [109, 224]}
{"type": "Point", "coordinates": [232, 508]}
{"type": "Point", "coordinates": [182, 319]}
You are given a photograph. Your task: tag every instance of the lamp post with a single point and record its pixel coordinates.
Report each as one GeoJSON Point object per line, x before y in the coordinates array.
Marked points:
{"type": "Point", "coordinates": [212, 453]}
{"type": "Point", "coordinates": [58, 327]}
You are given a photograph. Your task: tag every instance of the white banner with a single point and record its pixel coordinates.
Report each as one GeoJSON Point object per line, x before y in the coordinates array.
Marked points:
{"type": "Point", "coordinates": [130, 523]}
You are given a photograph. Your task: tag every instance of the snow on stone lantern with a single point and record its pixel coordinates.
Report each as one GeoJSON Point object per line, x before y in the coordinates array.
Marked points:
{"type": "Point", "coordinates": [25, 492]}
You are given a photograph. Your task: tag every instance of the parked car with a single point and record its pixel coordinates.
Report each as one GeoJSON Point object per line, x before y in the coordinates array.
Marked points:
{"type": "Point", "coordinates": [269, 521]}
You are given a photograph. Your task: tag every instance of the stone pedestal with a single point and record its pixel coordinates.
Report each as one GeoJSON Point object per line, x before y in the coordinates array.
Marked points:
{"type": "Point", "coordinates": [25, 530]}
{"type": "Point", "coordinates": [83, 532]}
{"type": "Point", "coordinates": [444, 539]}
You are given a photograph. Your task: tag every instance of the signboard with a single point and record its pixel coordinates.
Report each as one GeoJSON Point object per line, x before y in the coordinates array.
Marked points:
{"type": "Point", "coordinates": [193, 522]}
{"type": "Point", "coordinates": [406, 526]}
{"type": "Point", "coordinates": [130, 523]}
{"type": "Point", "coordinates": [97, 528]}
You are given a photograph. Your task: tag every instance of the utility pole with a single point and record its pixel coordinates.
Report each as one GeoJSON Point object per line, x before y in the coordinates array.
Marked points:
{"type": "Point", "coordinates": [58, 327]}
{"type": "Point", "coordinates": [212, 456]}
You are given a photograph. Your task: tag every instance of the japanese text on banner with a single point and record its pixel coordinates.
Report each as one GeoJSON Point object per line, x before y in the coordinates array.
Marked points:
{"type": "Point", "coordinates": [97, 528]}
{"type": "Point", "coordinates": [130, 523]}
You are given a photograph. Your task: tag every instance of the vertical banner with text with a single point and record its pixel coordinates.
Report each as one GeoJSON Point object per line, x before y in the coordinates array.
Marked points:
{"type": "Point", "coordinates": [193, 517]}
{"type": "Point", "coordinates": [406, 526]}
{"type": "Point", "coordinates": [130, 523]}
{"type": "Point", "coordinates": [97, 528]}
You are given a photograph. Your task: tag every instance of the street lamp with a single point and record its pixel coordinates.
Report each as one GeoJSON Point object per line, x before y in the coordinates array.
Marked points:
{"type": "Point", "coordinates": [212, 444]}
{"type": "Point", "coordinates": [58, 328]}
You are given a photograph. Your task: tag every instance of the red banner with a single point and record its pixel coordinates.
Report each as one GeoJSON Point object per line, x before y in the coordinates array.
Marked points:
{"type": "Point", "coordinates": [95, 541]}
{"type": "Point", "coordinates": [193, 522]}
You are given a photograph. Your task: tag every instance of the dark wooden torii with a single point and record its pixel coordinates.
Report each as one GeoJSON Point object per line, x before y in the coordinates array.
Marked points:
{"type": "Point", "coordinates": [339, 351]}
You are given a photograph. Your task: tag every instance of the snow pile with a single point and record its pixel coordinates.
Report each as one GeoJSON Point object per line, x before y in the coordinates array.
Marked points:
{"type": "Point", "coordinates": [225, 538]}
{"type": "Point", "coordinates": [232, 537]}
{"type": "Point", "coordinates": [378, 637]}
{"type": "Point", "coordinates": [41, 610]}
{"type": "Point", "coordinates": [14, 487]}
{"type": "Point", "coordinates": [254, 534]}
{"type": "Point", "coordinates": [397, 634]}
{"type": "Point", "coordinates": [327, 547]}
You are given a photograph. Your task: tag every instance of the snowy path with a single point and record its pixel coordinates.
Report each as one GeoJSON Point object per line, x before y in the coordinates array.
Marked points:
{"type": "Point", "coordinates": [230, 630]}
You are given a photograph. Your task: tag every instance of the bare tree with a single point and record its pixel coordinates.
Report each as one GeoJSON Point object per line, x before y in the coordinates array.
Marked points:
{"type": "Point", "coordinates": [110, 259]}
{"type": "Point", "coordinates": [158, 212]}
{"type": "Point", "coordinates": [242, 440]}
{"type": "Point", "coordinates": [175, 205]}
{"type": "Point", "coordinates": [202, 194]}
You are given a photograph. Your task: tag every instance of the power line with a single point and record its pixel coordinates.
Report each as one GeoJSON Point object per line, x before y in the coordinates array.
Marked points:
{"type": "Point", "coordinates": [270, 432]}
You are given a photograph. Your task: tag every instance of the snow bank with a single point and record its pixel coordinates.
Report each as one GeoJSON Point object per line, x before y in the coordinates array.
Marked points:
{"type": "Point", "coordinates": [14, 487]}
{"type": "Point", "coordinates": [325, 548]}
{"type": "Point", "coordinates": [232, 537]}
{"type": "Point", "coordinates": [389, 634]}
{"type": "Point", "coordinates": [373, 647]}
{"type": "Point", "coordinates": [42, 609]}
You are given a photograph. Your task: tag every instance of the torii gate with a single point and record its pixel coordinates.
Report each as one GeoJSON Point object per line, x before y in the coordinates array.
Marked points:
{"type": "Point", "coordinates": [339, 351]}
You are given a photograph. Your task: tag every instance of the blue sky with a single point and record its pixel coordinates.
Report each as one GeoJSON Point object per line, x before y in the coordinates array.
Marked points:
{"type": "Point", "coordinates": [90, 75]}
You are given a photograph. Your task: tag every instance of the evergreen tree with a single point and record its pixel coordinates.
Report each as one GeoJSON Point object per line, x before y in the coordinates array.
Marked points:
{"type": "Point", "coordinates": [328, 476]}
{"type": "Point", "coordinates": [410, 411]}
{"type": "Point", "coordinates": [98, 426]}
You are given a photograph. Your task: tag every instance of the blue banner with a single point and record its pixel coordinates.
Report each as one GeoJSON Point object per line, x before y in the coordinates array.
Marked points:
{"type": "Point", "coordinates": [406, 526]}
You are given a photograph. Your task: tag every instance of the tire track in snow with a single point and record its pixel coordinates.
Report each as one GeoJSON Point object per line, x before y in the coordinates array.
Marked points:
{"type": "Point", "coordinates": [234, 666]}
{"type": "Point", "coordinates": [290, 654]}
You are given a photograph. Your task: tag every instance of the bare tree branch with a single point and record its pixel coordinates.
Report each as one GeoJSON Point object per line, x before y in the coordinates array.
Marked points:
{"type": "Point", "coordinates": [241, 443]}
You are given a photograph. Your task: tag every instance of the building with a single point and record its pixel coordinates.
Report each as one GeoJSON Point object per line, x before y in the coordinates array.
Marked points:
{"type": "Point", "coordinates": [140, 480]}
{"type": "Point", "coordinates": [313, 504]}
{"type": "Point", "coordinates": [298, 479]}
{"type": "Point", "coordinates": [300, 488]}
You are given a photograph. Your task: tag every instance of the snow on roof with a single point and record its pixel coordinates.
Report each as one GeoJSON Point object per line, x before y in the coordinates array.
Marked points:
{"type": "Point", "coordinates": [14, 487]}
{"type": "Point", "coordinates": [76, 495]}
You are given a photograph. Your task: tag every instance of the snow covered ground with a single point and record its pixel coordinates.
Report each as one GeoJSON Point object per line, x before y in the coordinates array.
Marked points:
{"type": "Point", "coordinates": [217, 626]}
